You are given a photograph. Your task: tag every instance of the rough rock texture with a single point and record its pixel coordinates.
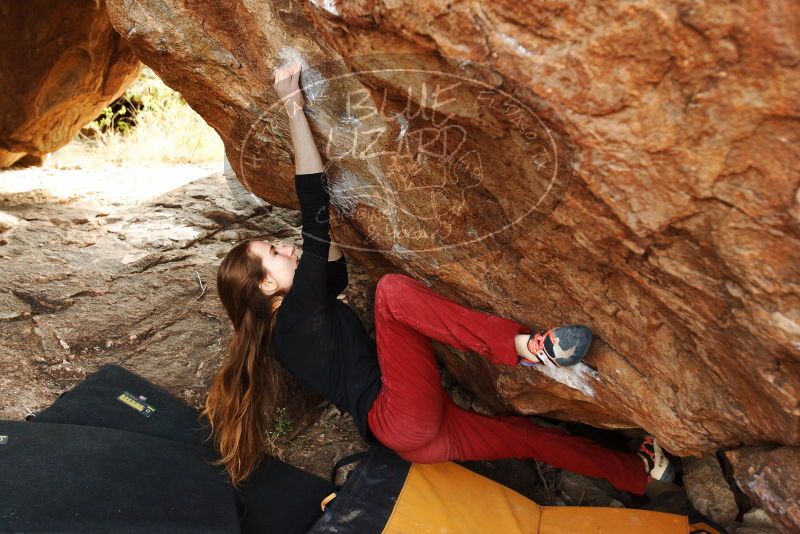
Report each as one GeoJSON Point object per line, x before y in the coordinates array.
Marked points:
{"type": "Point", "coordinates": [630, 166]}
{"type": "Point", "coordinates": [708, 490]}
{"type": "Point", "coordinates": [771, 478]}
{"type": "Point", "coordinates": [86, 284]}
{"type": "Point", "coordinates": [579, 490]}
{"type": "Point", "coordinates": [61, 64]}
{"type": "Point", "coordinates": [667, 497]}
{"type": "Point", "coordinates": [756, 521]}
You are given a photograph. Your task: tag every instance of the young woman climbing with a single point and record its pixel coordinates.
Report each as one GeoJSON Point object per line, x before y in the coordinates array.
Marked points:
{"type": "Point", "coordinates": [285, 309]}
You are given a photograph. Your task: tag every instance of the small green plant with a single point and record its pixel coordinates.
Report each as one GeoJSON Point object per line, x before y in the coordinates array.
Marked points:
{"type": "Point", "coordinates": [115, 116]}
{"type": "Point", "coordinates": [149, 125]}
{"type": "Point", "coordinates": [282, 423]}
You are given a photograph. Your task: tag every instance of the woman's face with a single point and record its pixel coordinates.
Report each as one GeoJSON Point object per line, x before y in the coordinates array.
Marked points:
{"type": "Point", "coordinates": [279, 261]}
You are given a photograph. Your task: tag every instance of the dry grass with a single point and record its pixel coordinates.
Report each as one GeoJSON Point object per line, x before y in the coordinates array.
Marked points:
{"type": "Point", "coordinates": [167, 132]}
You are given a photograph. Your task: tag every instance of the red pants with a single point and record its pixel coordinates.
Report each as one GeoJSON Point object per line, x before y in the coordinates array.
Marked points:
{"type": "Point", "coordinates": [414, 416]}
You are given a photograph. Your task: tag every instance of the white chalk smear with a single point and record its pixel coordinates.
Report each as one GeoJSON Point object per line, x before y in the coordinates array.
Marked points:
{"type": "Point", "coordinates": [312, 82]}
{"type": "Point", "coordinates": [327, 5]}
{"type": "Point", "coordinates": [347, 191]}
{"type": "Point", "coordinates": [403, 122]}
{"type": "Point", "coordinates": [341, 183]}
{"type": "Point", "coordinates": [399, 249]}
{"type": "Point", "coordinates": [578, 376]}
{"type": "Point", "coordinates": [516, 45]}
{"type": "Point", "coordinates": [350, 120]}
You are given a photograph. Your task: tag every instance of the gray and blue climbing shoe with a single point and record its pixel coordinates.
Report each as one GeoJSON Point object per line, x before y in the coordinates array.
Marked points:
{"type": "Point", "coordinates": [560, 346]}
{"type": "Point", "coordinates": [658, 465]}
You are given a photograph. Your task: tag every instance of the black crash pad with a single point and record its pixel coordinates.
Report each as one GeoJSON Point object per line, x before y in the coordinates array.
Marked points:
{"type": "Point", "coordinates": [74, 478]}
{"type": "Point", "coordinates": [276, 498]}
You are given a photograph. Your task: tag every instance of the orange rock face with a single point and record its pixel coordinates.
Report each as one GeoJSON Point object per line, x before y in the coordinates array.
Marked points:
{"type": "Point", "coordinates": [632, 167]}
{"type": "Point", "coordinates": [62, 63]}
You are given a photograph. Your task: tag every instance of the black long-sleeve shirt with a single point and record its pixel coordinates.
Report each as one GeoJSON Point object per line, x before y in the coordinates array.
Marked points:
{"type": "Point", "coordinates": [318, 338]}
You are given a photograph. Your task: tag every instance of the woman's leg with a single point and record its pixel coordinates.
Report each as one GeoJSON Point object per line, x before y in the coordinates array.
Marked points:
{"type": "Point", "coordinates": [414, 416]}
{"type": "Point", "coordinates": [437, 317]}
{"type": "Point", "coordinates": [409, 410]}
{"type": "Point", "coordinates": [466, 435]}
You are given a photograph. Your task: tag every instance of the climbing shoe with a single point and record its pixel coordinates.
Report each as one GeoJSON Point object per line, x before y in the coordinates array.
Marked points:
{"type": "Point", "coordinates": [560, 346]}
{"type": "Point", "coordinates": [658, 465]}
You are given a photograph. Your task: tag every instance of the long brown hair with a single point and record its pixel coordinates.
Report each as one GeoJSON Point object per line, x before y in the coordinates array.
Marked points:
{"type": "Point", "coordinates": [249, 386]}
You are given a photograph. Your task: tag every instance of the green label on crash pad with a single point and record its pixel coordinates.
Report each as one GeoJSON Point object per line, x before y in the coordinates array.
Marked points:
{"type": "Point", "coordinates": [3, 440]}
{"type": "Point", "coordinates": [136, 403]}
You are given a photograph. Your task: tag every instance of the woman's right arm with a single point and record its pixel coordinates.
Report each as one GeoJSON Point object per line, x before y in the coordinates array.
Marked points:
{"type": "Point", "coordinates": [307, 160]}
{"type": "Point", "coordinates": [312, 275]}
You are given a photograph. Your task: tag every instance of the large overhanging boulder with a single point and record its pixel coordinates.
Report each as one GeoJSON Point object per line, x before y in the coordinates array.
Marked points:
{"type": "Point", "coordinates": [632, 167]}
{"type": "Point", "coordinates": [61, 64]}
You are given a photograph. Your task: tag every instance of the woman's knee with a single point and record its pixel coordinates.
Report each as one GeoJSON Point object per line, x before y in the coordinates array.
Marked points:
{"type": "Point", "coordinates": [390, 289]}
{"type": "Point", "coordinates": [412, 430]}
{"type": "Point", "coordinates": [392, 283]}
{"type": "Point", "coordinates": [433, 452]}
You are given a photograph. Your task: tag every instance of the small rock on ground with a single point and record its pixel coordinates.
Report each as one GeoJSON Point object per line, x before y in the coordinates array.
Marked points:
{"type": "Point", "coordinates": [708, 490]}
